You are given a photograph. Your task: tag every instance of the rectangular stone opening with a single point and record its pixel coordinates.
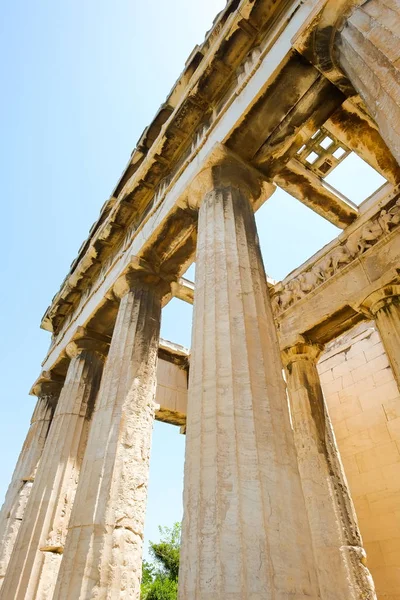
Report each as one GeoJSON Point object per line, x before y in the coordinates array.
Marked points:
{"type": "Point", "coordinates": [354, 178]}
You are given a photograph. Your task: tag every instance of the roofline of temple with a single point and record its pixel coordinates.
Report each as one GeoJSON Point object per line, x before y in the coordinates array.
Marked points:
{"type": "Point", "coordinates": [202, 64]}
{"type": "Point", "coordinates": [215, 72]}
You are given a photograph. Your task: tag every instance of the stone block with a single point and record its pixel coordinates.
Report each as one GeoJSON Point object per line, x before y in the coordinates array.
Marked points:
{"type": "Point", "coordinates": [367, 483]}
{"type": "Point", "coordinates": [383, 376]}
{"type": "Point", "coordinates": [378, 456]}
{"type": "Point", "coordinates": [392, 408]}
{"type": "Point", "coordinates": [375, 556]}
{"type": "Point", "coordinates": [366, 420]}
{"type": "Point", "coordinates": [394, 428]}
{"type": "Point", "coordinates": [346, 410]}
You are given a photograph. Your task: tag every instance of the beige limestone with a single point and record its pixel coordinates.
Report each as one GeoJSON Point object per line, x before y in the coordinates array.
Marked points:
{"type": "Point", "coordinates": [384, 306]}
{"type": "Point", "coordinates": [245, 531]}
{"type": "Point", "coordinates": [20, 487]}
{"type": "Point", "coordinates": [36, 557]}
{"type": "Point", "coordinates": [336, 538]}
{"type": "Point", "coordinates": [102, 557]}
{"type": "Point", "coordinates": [369, 53]}
{"type": "Point", "coordinates": [171, 392]}
{"type": "Point", "coordinates": [364, 406]}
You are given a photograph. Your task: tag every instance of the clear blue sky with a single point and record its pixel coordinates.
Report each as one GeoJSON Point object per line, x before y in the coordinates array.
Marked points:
{"type": "Point", "coordinates": [80, 81]}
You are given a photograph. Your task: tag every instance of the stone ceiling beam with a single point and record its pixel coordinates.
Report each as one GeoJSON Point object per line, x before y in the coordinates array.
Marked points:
{"type": "Point", "coordinates": [183, 289]}
{"type": "Point", "coordinates": [166, 160]}
{"type": "Point", "coordinates": [350, 125]}
{"type": "Point", "coordinates": [306, 117]}
{"type": "Point", "coordinates": [307, 187]}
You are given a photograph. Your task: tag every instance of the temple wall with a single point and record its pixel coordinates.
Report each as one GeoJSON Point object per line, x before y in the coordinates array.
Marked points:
{"type": "Point", "coordinates": [364, 405]}
{"type": "Point", "coordinates": [171, 393]}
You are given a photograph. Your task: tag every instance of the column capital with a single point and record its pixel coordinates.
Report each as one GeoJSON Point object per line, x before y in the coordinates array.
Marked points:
{"type": "Point", "coordinates": [302, 350]}
{"type": "Point", "coordinates": [88, 339]}
{"type": "Point", "coordinates": [140, 274]}
{"type": "Point", "coordinates": [47, 384]}
{"type": "Point", "coordinates": [381, 298]}
{"type": "Point", "coordinates": [222, 169]}
{"type": "Point", "coordinates": [317, 39]}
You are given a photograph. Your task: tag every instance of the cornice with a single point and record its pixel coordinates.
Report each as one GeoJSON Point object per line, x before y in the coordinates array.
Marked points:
{"type": "Point", "coordinates": [166, 142]}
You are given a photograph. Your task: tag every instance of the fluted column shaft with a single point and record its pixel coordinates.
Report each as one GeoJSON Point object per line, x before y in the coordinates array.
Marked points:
{"type": "Point", "coordinates": [103, 553]}
{"type": "Point", "coordinates": [384, 307]}
{"type": "Point", "coordinates": [36, 557]}
{"type": "Point", "coordinates": [368, 50]}
{"type": "Point", "coordinates": [20, 487]}
{"type": "Point", "coordinates": [245, 531]}
{"type": "Point", "coordinates": [337, 542]}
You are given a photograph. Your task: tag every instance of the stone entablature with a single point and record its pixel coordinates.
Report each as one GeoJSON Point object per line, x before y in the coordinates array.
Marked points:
{"type": "Point", "coordinates": [175, 136]}
{"type": "Point", "coordinates": [145, 206]}
{"type": "Point", "coordinates": [348, 247]}
{"type": "Point", "coordinates": [267, 510]}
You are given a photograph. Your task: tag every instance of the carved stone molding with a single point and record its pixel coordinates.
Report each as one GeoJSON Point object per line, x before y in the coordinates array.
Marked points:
{"type": "Point", "coordinates": [87, 339]}
{"type": "Point", "coordinates": [141, 274]}
{"type": "Point", "coordinates": [47, 384]}
{"type": "Point", "coordinates": [356, 244]}
{"type": "Point", "coordinates": [379, 299]}
{"type": "Point", "coordinates": [301, 351]}
{"type": "Point", "coordinates": [223, 168]}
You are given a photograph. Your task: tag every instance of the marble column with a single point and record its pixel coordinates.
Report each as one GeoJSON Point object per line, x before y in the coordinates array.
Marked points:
{"type": "Point", "coordinates": [34, 563]}
{"type": "Point", "coordinates": [103, 552]}
{"type": "Point", "coordinates": [47, 389]}
{"type": "Point", "coordinates": [384, 307]}
{"type": "Point", "coordinates": [337, 543]}
{"type": "Point", "coordinates": [368, 51]}
{"type": "Point", "coordinates": [245, 528]}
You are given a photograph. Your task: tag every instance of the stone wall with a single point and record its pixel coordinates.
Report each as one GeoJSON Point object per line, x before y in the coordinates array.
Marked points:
{"type": "Point", "coordinates": [171, 393]}
{"type": "Point", "coordinates": [364, 405]}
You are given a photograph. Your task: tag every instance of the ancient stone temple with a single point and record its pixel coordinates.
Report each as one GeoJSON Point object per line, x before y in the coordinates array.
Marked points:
{"type": "Point", "coordinates": [289, 397]}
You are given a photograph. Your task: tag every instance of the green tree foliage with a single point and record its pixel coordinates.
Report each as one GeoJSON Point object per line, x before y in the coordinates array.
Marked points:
{"type": "Point", "coordinates": [160, 577]}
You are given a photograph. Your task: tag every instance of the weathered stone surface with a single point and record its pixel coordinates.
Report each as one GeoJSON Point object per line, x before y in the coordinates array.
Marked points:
{"type": "Point", "coordinates": [266, 84]}
{"type": "Point", "coordinates": [336, 538]}
{"type": "Point", "coordinates": [369, 53]}
{"type": "Point", "coordinates": [364, 405]}
{"type": "Point", "coordinates": [245, 530]}
{"type": "Point", "coordinates": [321, 298]}
{"type": "Point", "coordinates": [32, 572]}
{"type": "Point", "coordinates": [103, 550]}
{"type": "Point", "coordinates": [20, 487]}
{"type": "Point", "coordinates": [384, 306]}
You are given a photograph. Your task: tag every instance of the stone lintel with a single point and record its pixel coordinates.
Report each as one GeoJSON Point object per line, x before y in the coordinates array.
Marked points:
{"type": "Point", "coordinates": [183, 289]}
{"type": "Point", "coordinates": [173, 353]}
{"type": "Point", "coordinates": [322, 298]}
{"type": "Point", "coordinates": [308, 188]}
{"type": "Point", "coordinates": [50, 383]}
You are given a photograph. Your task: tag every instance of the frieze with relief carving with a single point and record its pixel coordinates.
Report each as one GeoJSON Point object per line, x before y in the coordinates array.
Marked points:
{"type": "Point", "coordinates": [323, 269]}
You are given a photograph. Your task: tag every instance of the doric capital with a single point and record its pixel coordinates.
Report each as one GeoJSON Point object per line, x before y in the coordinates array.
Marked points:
{"type": "Point", "coordinates": [318, 39]}
{"type": "Point", "coordinates": [389, 294]}
{"type": "Point", "coordinates": [222, 169]}
{"type": "Point", "coordinates": [301, 351]}
{"type": "Point", "coordinates": [47, 384]}
{"type": "Point", "coordinates": [87, 339]}
{"type": "Point", "coordinates": [140, 274]}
